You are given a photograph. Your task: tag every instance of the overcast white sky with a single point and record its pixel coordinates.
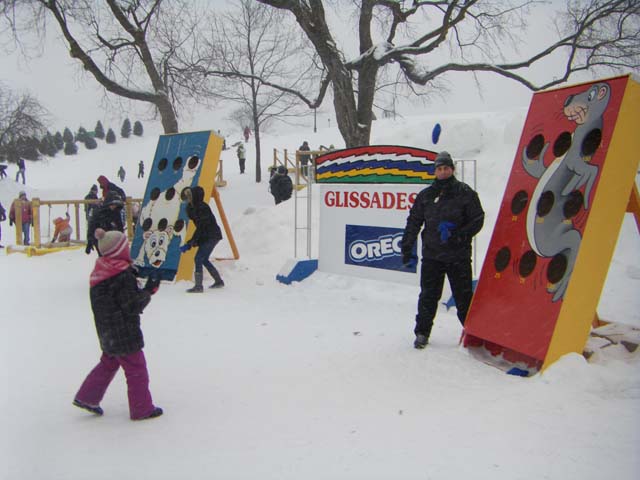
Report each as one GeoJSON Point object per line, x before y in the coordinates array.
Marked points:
{"type": "Point", "coordinates": [74, 98]}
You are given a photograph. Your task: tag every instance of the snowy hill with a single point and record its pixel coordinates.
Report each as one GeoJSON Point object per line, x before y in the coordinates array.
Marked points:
{"type": "Point", "coordinates": [314, 380]}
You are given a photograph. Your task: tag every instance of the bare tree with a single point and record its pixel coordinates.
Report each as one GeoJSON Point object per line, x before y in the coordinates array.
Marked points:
{"type": "Point", "coordinates": [592, 34]}
{"type": "Point", "coordinates": [249, 48]}
{"type": "Point", "coordinates": [128, 47]}
{"type": "Point", "coordinates": [21, 116]}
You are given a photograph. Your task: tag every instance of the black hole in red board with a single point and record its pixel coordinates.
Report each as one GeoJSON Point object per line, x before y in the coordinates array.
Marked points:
{"type": "Point", "coordinates": [557, 268]}
{"type": "Point", "coordinates": [162, 224]}
{"type": "Point", "coordinates": [519, 202]}
{"type": "Point", "coordinates": [535, 147]}
{"type": "Point", "coordinates": [562, 144]}
{"type": "Point", "coordinates": [545, 203]}
{"type": "Point", "coordinates": [146, 225]}
{"type": "Point", "coordinates": [502, 259]}
{"type": "Point", "coordinates": [177, 163]}
{"type": "Point", "coordinates": [162, 164]}
{"type": "Point", "coordinates": [170, 193]}
{"type": "Point", "coordinates": [527, 263]}
{"type": "Point", "coordinates": [155, 193]}
{"type": "Point", "coordinates": [178, 226]}
{"type": "Point", "coordinates": [572, 204]}
{"type": "Point", "coordinates": [591, 142]}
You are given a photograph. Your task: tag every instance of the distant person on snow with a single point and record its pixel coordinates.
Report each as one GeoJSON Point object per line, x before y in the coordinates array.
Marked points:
{"type": "Point", "coordinates": [304, 158]}
{"type": "Point", "coordinates": [21, 170]}
{"type": "Point", "coordinates": [141, 169]}
{"type": "Point", "coordinates": [90, 208]}
{"type": "Point", "coordinates": [117, 302]}
{"type": "Point", "coordinates": [63, 230]}
{"type": "Point", "coordinates": [281, 185]}
{"type": "Point", "coordinates": [242, 157]}
{"type": "Point", "coordinates": [121, 173]}
{"type": "Point", "coordinates": [108, 217]}
{"type": "Point", "coordinates": [246, 133]}
{"type": "Point", "coordinates": [27, 218]}
{"type": "Point", "coordinates": [3, 217]}
{"type": "Point", "coordinates": [206, 237]}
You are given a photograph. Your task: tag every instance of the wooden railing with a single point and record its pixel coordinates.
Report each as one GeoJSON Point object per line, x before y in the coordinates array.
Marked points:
{"type": "Point", "coordinates": [294, 165]}
{"type": "Point", "coordinates": [37, 204]}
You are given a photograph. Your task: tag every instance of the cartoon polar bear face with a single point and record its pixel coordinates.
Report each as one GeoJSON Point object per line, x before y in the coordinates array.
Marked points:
{"type": "Point", "coordinates": [156, 244]}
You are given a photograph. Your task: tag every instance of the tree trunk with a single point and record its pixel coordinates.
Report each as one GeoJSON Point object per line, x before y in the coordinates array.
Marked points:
{"type": "Point", "coordinates": [167, 115]}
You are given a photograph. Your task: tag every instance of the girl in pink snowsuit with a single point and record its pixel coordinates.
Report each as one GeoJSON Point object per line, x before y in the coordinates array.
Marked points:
{"type": "Point", "coordinates": [117, 303]}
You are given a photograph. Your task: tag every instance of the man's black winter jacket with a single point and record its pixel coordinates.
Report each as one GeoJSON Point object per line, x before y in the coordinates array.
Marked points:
{"type": "Point", "coordinates": [444, 201]}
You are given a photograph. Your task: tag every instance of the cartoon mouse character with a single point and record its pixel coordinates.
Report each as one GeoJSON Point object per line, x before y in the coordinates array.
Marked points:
{"type": "Point", "coordinates": [550, 230]}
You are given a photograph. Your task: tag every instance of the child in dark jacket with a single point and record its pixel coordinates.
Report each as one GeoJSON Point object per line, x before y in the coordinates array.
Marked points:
{"type": "Point", "coordinates": [117, 303]}
{"type": "Point", "coordinates": [206, 237]}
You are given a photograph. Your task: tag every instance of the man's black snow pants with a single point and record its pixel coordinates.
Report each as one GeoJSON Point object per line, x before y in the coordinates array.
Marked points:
{"type": "Point", "coordinates": [431, 283]}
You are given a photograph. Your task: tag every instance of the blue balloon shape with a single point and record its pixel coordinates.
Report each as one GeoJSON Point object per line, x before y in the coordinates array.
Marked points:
{"type": "Point", "coordinates": [435, 134]}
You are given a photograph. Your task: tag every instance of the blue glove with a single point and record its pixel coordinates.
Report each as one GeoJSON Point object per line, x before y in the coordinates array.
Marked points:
{"type": "Point", "coordinates": [409, 261]}
{"type": "Point", "coordinates": [186, 247]}
{"type": "Point", "coordinates": [445, 228]}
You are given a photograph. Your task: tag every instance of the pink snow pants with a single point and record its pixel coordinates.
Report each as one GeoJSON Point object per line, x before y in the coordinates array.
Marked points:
{"type": "Point", "coordinates": [135, 370]}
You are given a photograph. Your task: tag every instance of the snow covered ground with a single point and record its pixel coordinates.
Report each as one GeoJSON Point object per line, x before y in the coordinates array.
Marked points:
{"type": "Point", "coordinates": [317, 380]}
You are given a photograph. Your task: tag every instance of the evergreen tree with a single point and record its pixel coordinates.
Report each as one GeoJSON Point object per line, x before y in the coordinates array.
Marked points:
{"type": "Point", "coordinates": [90, 143]}
{"type": "Point", "coordinates": [51, 145]}
{"type": "Point", "coordinates": [137, 129]}
{"type": "Point", "coordinates": [28, 148]}
{"type": "Point", "coordinates": [58, 141]}
{"type": "Point", "coordinates": [81, 136]}
{"type": "Point", "coordinates": [43, 145]}
{"type": "Point", "coordinates": [67, 136]}
{"type": "Point", "coordinates": [125, 131]}
{"type": "Point", "coordinates": [99, 130]}
{"type": "Point", "coordinates": [70, 148]}
{"type": "Point", "coordinates": [111, 136]}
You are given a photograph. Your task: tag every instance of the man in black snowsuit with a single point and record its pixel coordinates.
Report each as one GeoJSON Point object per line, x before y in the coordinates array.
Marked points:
{"type": "Point", "coordinates": [206, 237]}
{"type": "Point", "coordinates": [281, 185]}
{"type": "Point", "coordinates": [451, 215]}
{"type": "Point", "coordinates": [107, 217]}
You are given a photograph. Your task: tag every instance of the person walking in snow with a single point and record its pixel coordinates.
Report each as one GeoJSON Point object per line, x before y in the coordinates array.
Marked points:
{"type": "Point", "coordinates": [246, 132]}
{"type": "Point", "coordinates": [3, 217]}
{"type": "Point", "coordinates": [21, 169]}
{"type": "Point", "coordinates": [108, 217]}
{"type": "Point", "coordinates": [281, 185]}
{"type": "Point", "coordinates": [451, 215]}
{"type": "Point", "coordinates": [117, 302]}
{"type": "Point", "coordinates": [26, 218]}
{"type": "Point", "coordinates": [121, 173]}
{"type": "Point", "coordinates": [206, 237]}
{"type": "Point", "coordinates": [141, 169]}
{"type": "Point", "coordinates": [242, 157]}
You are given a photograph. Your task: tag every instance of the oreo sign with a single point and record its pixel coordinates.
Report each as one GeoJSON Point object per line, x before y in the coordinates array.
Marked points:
{"type": "Point", "coordinates": [375, 247]}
